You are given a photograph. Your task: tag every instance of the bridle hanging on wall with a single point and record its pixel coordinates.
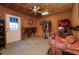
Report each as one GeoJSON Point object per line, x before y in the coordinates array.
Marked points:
{"type": "Point", "coordinates": [46, 27]}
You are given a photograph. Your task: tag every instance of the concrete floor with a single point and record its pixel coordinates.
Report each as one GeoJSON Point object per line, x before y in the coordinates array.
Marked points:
{"type": "Point", "coordinates": [32, 46]}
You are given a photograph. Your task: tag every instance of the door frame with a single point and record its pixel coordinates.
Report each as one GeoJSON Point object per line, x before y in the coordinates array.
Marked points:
{"type": "Point", "coordinates": [6, 16]}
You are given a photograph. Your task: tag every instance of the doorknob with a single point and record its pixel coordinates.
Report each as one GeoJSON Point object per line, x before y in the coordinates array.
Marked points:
{"type": "Point", "coordinates": [7, 30]}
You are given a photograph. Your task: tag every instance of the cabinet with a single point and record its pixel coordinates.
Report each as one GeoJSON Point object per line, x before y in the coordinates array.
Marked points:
{"type": "Point", "coordinates": [2, 34]}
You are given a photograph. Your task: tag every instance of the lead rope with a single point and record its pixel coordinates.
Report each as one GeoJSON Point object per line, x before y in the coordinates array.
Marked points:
{"type": "Point", "coordinates": [53, 48]}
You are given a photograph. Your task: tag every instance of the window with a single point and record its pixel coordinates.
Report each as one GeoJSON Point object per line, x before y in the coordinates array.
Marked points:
{"type": "Point", "coordinates": [13, 22]}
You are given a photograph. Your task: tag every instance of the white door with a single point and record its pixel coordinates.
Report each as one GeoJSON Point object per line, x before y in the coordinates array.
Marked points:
{"type": "Point", "coordinates": [13, 29]}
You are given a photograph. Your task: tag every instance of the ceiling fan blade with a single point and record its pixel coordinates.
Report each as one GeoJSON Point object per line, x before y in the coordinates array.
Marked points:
{"type": "Point", "coordinates": [38, 8]}
{"type": "Point", "coordinates": [29, 11]}
{"type": "Point", "coordinates": [39, 11]}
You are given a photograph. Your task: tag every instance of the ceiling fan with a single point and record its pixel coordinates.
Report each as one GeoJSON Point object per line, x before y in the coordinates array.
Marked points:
{"type": "Point", "coordinates": [38, 11]}
{"type": "Point", "coordinates": [35, 10]}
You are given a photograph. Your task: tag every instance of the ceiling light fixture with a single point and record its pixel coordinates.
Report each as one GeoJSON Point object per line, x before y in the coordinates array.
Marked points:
{"type": "Point", "coordinates": [35, 9]}
{"type": "Point", "coordinates": [45, 13]}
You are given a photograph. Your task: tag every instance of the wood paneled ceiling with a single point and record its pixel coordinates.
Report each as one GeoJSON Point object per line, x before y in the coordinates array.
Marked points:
{"type": "Point", "coordinates": [53, 8]}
